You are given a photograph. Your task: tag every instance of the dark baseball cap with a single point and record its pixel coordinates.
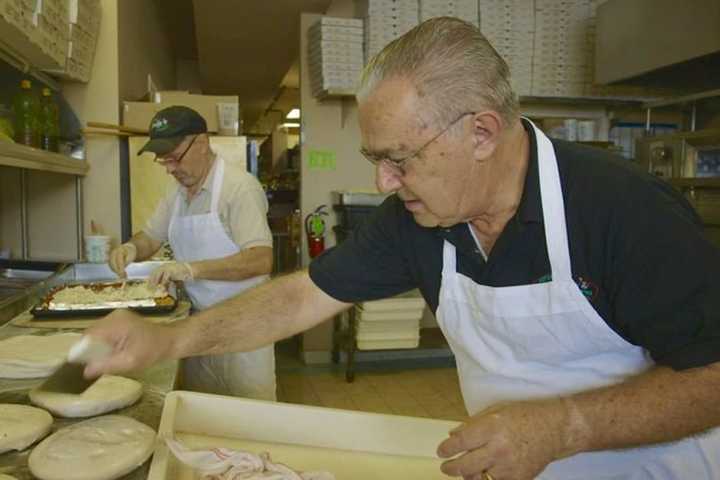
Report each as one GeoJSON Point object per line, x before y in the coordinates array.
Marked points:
{"type": "Point", "coordinates": [170, 126]}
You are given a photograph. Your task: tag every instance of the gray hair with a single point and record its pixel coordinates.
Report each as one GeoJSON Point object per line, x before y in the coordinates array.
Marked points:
{"type": "Point", "coordinates": [452, 66]}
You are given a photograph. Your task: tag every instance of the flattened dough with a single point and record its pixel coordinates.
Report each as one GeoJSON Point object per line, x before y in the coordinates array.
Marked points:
{"type": "Point", "coordinates": [102, 448]}
{"type": "Point", "coordinates": [21, 426]}
{"type": "Point", "coordinates": [6, 477]}
{"type": "Point", "coordinates": [34, 356]}
{"type": "Point", "coordinates": [107, 394]}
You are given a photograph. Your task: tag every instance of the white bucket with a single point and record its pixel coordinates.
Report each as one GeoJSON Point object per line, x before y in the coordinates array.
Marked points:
{"type": "Point", "coordinates": [97, 248]}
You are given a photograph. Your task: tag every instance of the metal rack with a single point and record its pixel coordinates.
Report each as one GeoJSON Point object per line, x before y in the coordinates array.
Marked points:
{"type": "Point", "coordinates": [27, 158]}
{"type": "Point", "coordinates": [685, 100]}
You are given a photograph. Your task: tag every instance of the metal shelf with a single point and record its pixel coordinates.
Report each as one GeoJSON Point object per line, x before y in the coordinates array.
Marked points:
{"type": "Point", "coordinates": [603, 101]}
{"type": "Point", "coordinates": [600, 101]}
{"type": "Point", "coordinates": [20, 156]}
{"type": "Point", "coordinates": [328, 94]}
{"type": "Point", "coordinates": [684, 100]}
{"type": "Point", "coordinates": [702, 182]}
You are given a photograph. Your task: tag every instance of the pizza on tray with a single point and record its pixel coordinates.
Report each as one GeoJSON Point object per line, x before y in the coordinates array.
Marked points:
{"type": "Point", "coordinates": [96, 296]}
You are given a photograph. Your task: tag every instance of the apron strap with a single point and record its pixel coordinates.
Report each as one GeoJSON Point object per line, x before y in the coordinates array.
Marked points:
{"type": "Point", "coordinates": [449, 258]}
{"type": "Point", "coordinates": [553, 208]}
{"type": "Point", "coordinates": [217, 183]}
{"type": "Point", "coordinates": [175, 211]}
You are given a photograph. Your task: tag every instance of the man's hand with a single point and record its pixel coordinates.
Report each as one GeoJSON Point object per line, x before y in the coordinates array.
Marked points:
{"type": "Point", "coordinates": [136, 343]}
{"type": "Point", "coordinates": [514, 441]}
{"type": "Point", "coordinates": [178, 271]}
{"type": "Point", "coordinates": [121, 257]}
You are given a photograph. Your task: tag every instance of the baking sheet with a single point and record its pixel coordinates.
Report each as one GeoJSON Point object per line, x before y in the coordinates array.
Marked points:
{"type": "Point", "coordinates": [149, 306]}
{"type": "Point", "coordinates": [351, 445]}
{"type": "Point", "coordinates": [27, 320]}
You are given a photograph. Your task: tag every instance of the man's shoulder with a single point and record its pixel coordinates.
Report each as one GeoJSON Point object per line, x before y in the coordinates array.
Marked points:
{"type": "Point", "coordinates": [237, 178]}
{"type": "Point", "coordinates": [600, 171]}
{"type": "Point", "coordinates": [593, 176]}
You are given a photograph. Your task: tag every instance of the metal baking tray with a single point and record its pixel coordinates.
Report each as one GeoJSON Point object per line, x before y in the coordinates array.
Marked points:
{"type": "Point", "coordinates": [162, 305]}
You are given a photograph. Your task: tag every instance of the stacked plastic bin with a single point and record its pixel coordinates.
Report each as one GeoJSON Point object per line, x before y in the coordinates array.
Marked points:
{"type": "Point", "coordinates": [390, 323]}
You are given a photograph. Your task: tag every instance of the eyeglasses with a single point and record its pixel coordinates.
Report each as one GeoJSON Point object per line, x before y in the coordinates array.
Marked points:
{"type": "Point", "coordinates": [399, 163]}
{"type": "Point", "coordinates": [164, 161]}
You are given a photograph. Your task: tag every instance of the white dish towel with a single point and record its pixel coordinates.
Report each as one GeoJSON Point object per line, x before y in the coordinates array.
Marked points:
{"type": "Point", "coordinates": [227, 464]}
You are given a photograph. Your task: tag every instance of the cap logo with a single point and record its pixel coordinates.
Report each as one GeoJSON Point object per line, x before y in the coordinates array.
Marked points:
{"type": "Point", "coordinates": [159, 124]}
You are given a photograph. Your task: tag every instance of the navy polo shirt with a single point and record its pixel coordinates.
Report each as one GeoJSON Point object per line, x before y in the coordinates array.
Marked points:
{"type": "Point", "coordinates": [637, 249]}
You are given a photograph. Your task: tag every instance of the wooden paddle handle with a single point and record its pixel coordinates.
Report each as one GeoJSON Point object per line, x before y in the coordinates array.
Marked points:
{"type": "Point", "coordinates": [119, 128]}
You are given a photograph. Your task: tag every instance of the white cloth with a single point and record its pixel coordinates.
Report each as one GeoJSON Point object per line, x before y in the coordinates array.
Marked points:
{"type": "Point", "coordinates": [227, 464]}
{"type": "Point", "coordinates": [542, 340]}
{"type": "Point", "coordinates": [202, 237]}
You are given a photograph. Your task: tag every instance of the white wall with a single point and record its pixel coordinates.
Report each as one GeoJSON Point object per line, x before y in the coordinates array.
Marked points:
{"type": "Point", "coordinates": [98, 101]}
{"type": "Point", "coordinates": [144, 48]}
{"type": "Point", "coordinates": [132, 44]}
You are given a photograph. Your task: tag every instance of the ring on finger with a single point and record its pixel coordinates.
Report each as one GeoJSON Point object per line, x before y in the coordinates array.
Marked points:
{"type": "Point", "coordinates": [487, 476]}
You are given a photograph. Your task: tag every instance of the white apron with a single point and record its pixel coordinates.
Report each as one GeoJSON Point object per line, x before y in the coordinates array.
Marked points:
{"type": "Point", "coordinates": [202, 237]}
{"type": "Point", "coordinates": [542, 340]}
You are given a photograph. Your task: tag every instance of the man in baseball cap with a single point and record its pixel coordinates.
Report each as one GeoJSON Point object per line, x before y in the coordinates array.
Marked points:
{"type": "Point", "coordinates": [215, 220]}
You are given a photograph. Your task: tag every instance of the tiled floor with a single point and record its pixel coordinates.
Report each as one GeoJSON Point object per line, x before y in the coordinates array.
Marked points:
{"type": "Point", "coordinates": [432, 393]}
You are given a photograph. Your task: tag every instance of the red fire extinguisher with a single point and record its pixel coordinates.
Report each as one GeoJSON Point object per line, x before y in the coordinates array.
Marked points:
{"type": "Point", "coordinates": [315, 231]}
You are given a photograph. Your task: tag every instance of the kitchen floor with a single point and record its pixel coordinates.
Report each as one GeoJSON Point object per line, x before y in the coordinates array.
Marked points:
{"type": "Point", "coordinates": [418, 392]}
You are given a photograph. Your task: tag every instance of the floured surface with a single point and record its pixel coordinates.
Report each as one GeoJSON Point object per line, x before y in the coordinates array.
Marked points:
{"type": "Point", "coordinates": [34, 356]}
{"type": "Point", "coordinates": [344, 464]}
{"type": "Point", "coordinates": [21, 426]}
{"type": "Point", "coordinates": [102, 448]}
{"type": "Point", "coordinates": [107, 394]}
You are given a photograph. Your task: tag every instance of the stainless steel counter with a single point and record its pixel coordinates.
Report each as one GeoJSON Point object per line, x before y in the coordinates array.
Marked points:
{"type": "Point", "coordinates": [157, 380]}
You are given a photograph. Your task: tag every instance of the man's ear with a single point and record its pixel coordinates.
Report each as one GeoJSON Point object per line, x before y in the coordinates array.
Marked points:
{"type": "Point", "coordinates": [486, 129]}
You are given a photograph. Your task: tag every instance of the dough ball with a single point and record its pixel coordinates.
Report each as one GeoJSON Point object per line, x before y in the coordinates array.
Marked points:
{"type": "Point", "coordinates": [107, 394]}
{"type": "Point", "coordinates": [102, 448]}
{"type": "Point", "coordinates": [34, 356]}
{"type": "Point", "coordinates": [21, 426]}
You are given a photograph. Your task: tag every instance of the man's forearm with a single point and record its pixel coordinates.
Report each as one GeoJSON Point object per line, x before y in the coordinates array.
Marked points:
{"type": "Point", "coordinates": [658, 406]}
{"type": "Point", "coordinates": [146, 246]}
{"type": "Point", "coordinates": [248, 263]}
{"type": "Point", "coordinates": [275, 310]}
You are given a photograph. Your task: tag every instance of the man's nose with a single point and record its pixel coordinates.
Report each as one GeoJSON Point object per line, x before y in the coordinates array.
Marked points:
{"type": "Point", "coordinates": [387, 178]}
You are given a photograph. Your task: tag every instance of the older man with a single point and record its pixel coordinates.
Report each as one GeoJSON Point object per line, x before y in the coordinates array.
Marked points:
{"type": "Point", "coordinates": [215, 220]}
{"type": "Point", "coordinates": [578, 295]}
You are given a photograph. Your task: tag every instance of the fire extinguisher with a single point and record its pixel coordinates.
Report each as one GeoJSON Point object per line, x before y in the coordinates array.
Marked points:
{"type": "Point", "coordinates": [315, 231]}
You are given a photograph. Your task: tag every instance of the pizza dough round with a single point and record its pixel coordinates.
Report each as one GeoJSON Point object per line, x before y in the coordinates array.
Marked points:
{"type": "Point", "coordinates": [102, 448]}
{"type": "Point", "coordinates": [21, 426]}
{"type": "Point", "coordinates": [107, 394]}
{"type": "Point", "coordinates": [34, 356]}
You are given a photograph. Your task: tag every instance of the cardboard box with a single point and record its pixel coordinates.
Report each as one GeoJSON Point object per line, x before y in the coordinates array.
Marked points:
{"type": "Point", "coordinates": [139, 114]}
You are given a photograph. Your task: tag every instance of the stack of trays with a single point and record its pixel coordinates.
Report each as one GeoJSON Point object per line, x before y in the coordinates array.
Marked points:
{"type": "Point", "coordinates": [463, 9]}
{"type": "Point", "coordinates": [389, 323]}
{"type": "Point", "coordinates": [385, 20]}
{"type": "Point", "coordinates": [509, 25]}
{"type": "Point", "coordinates": [335, 54]}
